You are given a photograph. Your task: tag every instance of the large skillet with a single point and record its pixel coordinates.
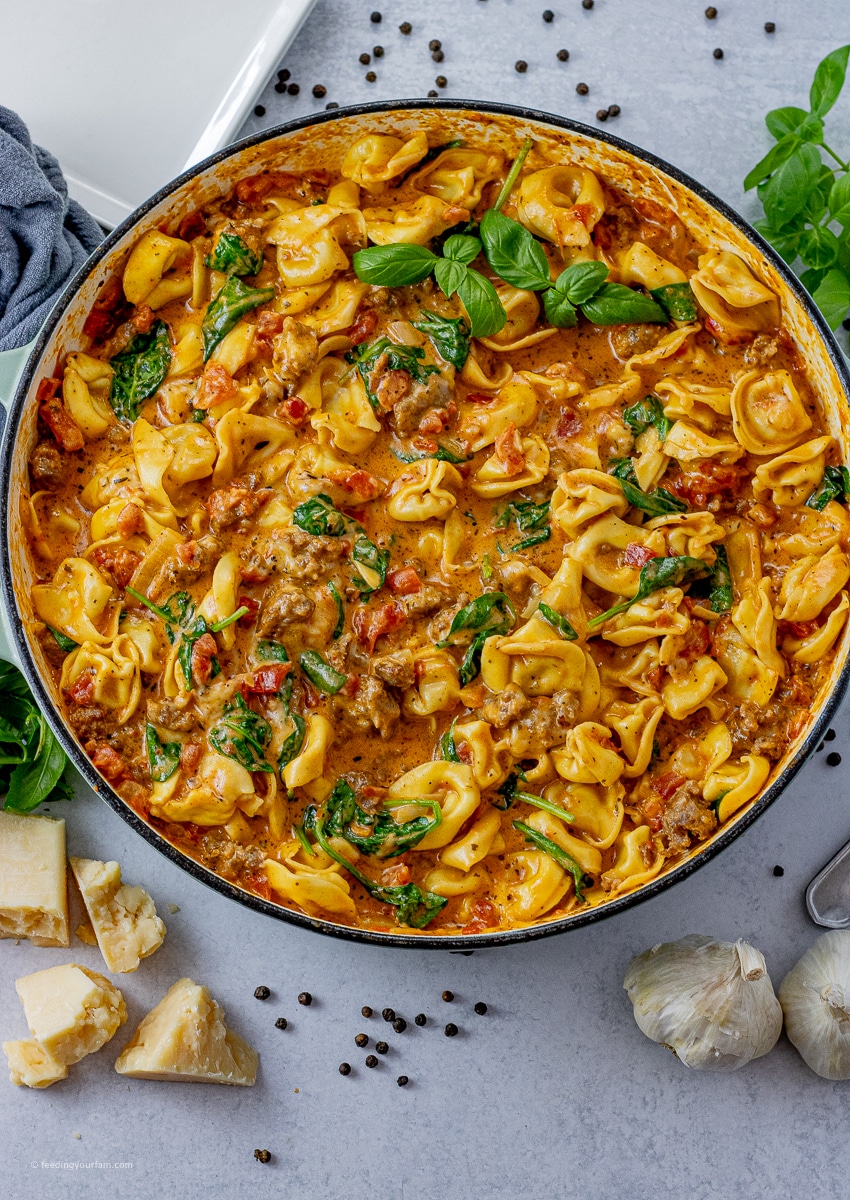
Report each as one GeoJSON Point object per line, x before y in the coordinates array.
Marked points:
{"type": "Point", "coordinates": [301, 143]}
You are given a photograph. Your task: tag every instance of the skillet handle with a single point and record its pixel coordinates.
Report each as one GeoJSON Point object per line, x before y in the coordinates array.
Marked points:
{"type": "Point", "coordinates": [12, 363]}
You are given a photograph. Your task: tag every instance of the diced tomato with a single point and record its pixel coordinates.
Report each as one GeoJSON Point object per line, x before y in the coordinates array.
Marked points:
{"type": "Point", "coordinates": [203, 652]}
{"type": "Point", "coordinates": [637, 555]}
{"type": "Point", "coordinates": [363, 327]}
{"type": "Point", "coordinates": [192, 225]}
{"type": "Point", "coordinates": [259, 885]}
{"type": "Point", "coordinates": [569, 424]}
{"type": "Point", "coordinates": [106, 760]}
{"type": "Point", "coordinates": [404, 582]}
{"type": "Point", "coordinates": [697, 641]}
{"type": "Point", "coordinates": [293, 410]}
{"type": "Point", "coordinates": [130, 520]}
{"type": "Point", "coordinates": [98, 324]}
{"type": "Point", "coordinates": [81, 690]}
{"type": "Point", "coordinates": [61, 424]}
{"type": "Point", "coordinates": [508, 452]}
{"type": "Point", "coordinates": [117, 561]}
{"type": "Point", "coordinates": [358, 481]}
{"type": "Point", "coordinates": [351, 687]}
{"type": "Point", "coordinates": [483, 915]}
{"type": "Point", "coordinates": [216, 386]}
{"type": "Point", "coordinates": [190, 756]}
{"type": "Point", "coordinates": [269, 323]}
{"type": "Point", "coordinates": [479, 398]}
{"type": "Point", "coordinates": [396, 876]}
{"type": "Point", "coordinates": [710, 478]}
{"type": "Point", "coordinates": [111, 295]}
{"type": "Point", "coordinates": [371, 623]}
{"type": "Point", "coordinates": [253, 607]}
{"type": "Point", "coordinates": [142, 318]}
{"type": "Point", "coordinates": [47, 389]}
{"type": "Point", "coordinates": [797, 629]}
{"type": "Point", "coordinates": [465, 753]}
{"type": "Point", "coordinates": [267, 681]}
{"type": "Point", "coordinates": [666, 785]}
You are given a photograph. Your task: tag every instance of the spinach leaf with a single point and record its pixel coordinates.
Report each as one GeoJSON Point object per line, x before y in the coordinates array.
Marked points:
{"type": "Point", "coordinates": [659, 503]}
{"type": "Point", "coordinates": [514, 253]}
{"type": "Point", "coordinates": [557, 621]}
{"type": "Point", "coordinates": [33, 766]}
{"type": "Point", "coordinates": [233, 301]}
{"type": "Point", "coordinates": [446, 744]}
{"type": "Point", "coordinates": [64, 643]}
{"type": "Point", "coordinates": [294, 742]}
{"type": "Point", "coordinates": [234, 257]}
{"type": "Point", "coordinates": [377, 833]}
{"type": "Point", "coordinates": [320, 673]}
{"type": "Point", "coordinates": [616, 304]}
{"type": "Point", "coordinates": [835, 485]}
{"type": "Point", "coordinates": [646, 412]}
{"type": "Point", "coordinates": [561, 857]}
{"type": "Point", "coordinates": [399, 265]}
{"type": "Point", "coordinates": [242, 735]}
{"type": "Point", "coordinates": [489, 614]}
{"type": "Point", "coordinates": [319, 516]}
{"type": "Point", "coordinates": [529, 518]}
{"type": "Point", "coordinates": [398, 358]}
{"type": "Point", "coordinates": [547, 805]}
{"type": "Point", "coordinates": [272, 652]}
{"type": "Point", "coordinates": [340, 610]}
{"type": "Point", "coordinates": [656, 574]}
{"type": "Point", "coordinates": [443, 453]}
{"type": "Point", "coordinates": [451, 337]}
{"type": "Point", "coordinates": [677, 300]}
{"type": "Point", "coordinates": [507, 791]}
{"type": "Point", "coordinates": [414, 907]}
{"type": "Point", "coordinates": [163, 757]}
{"type": "Point", "coordinates": [721, 597]}
{"type": "Point", "coordinates": [365, 553]}
{"type": "Point", "coordinates": [139, 370]}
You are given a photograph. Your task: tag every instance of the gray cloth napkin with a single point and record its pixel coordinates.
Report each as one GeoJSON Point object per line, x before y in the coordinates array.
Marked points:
{"type": "Point", "coordinates": [44, 235]}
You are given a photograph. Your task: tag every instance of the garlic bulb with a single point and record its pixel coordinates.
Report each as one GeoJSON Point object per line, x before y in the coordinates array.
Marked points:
{"type": "Point", "coordinates": [815, 996]}
{"type": "Point", "coordinates": [711, 1003]}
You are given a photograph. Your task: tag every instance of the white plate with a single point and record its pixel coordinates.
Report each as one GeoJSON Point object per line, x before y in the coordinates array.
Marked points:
{"type": "Point", "coordinates": [128, 94]}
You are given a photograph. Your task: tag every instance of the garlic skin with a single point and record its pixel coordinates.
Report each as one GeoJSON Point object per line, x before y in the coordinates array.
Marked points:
{"type": "Point", "coordinates": [815, 996]}
{"type": "Point", "coordinates": [711, 1003]}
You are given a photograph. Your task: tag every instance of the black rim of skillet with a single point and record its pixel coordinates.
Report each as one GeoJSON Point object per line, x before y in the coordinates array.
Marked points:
{"type": "Point", "coordinates": [74, 751]}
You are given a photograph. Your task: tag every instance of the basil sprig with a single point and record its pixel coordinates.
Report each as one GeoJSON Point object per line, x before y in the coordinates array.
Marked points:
{"type": "Point", "coordinates": [139, 370]}
{"type": "Point", "coordinates": [489, 614]}
{"type": "Point", "coordinates": [658, 503]}
{"type": "Point", "coordinates": [656, 574]}
{"type": "Point", "coordinates": [835, 485]}
{"type": "Point", "coordinates": [233, 301]}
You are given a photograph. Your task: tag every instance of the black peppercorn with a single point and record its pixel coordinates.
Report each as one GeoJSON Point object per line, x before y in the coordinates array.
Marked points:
{"type": "Point", "coordinates": [711, 12]}
{"type": "Point", "coordinates": [262, 1156]}
{"type": "Point", "coordinates": [441, 81]}
{"type": "Point", "coordinates": [371, 1061]}
{"type": "Point", "coordinates": [438, 56]}
{"type": "Point", "coordinates": [420, 1019]}
{"type": "Point", "coordinates": [262, 993]}
{"type": "Point", "coordinates": [829, 736]}
{"type": "Point", "coordinates": [602, 114]}
{"type": "Point", "coordinates": [406, 28]}
{"type": "Point", "coordinates": [845, 324]}
{"type": "Point", "coordinates": [280, 87]}
{"type": "Point", "coordinates": [345, 1068]}
{"type": "Point", "coordinates": [402, 1081]}
{"type": "Point", "coordinates": [448, 997]}
{"type": "Point", "coordinates": [451, 1030]}
{"type": "Point", "coordinates": [284, 74]}
{"type": "Point", "coordinates": [819, 748]}
{"type": "Point", "coordinates": [548, 16]}
{"type": "Point", "coordinates": [718, 53]}
{"type": "Point", "coordinates": [378, 51]}
{"type": "Point", "coordinates": [382, 1047]}
{"type": "Point", "coordinates": [832, 760]}
{"type": "Point", "coordinates": [480, 1008]}
{"type": "Point", "coordinates": [362, 1040]}
{"type": "Point", "coordinates": [365, 58]}
{"type": "Point", "coordinates": [259, 111]}
{"type": "Point", "coordinates": [562, 55]}
{"type": "Point", "coordinates": [365, 1011]}
{"type": "Point", "coordinates": [521, 66]}
{"type": "Point", "coordinates": [435, 44]}
{"type": "Point", "coordinates": [333, 104]}
{"type": "Point", "coordinates": [587, 4]}
{"type": "Point", "coordinates": [280, 1023]}
{"type": "Point", "coordinates": [769, 27]}
{"type": "Point", "coordinates": [400, 1025]}
{"type": "Point", "coordinates": [582, 89]}
{"type": "Point", "coordinates": [293, 89]}
{"type": "Point", "coordinates": [371, 76]}
{"type": "Point", "coordinates": [778, 871]}
{"type": "Point", "coordinates": [319, 90]}
{"type": "Point", "coordinates": [305, 998]}
{"type": "Point", "coordinates": [432, 93]}
{"type": "Point", "coordinates": [388, 1014]}
{"type": "Point", "coordinates": [375, 18]}
{"type": "Point", "coordinates": [613, 110]}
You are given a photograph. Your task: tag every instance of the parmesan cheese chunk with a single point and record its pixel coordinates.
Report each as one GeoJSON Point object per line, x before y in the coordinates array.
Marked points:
{"type": "Point", "coordinates": [70, 1010]}
{"type": "Point", "coordinates": [185, 1037]}
{"type": "Point", "coordinates": [33, 898]}
{"type": "Point", "coordinates": [123, 918]}
{"type": "Point", "coordinates": [31, 1066]}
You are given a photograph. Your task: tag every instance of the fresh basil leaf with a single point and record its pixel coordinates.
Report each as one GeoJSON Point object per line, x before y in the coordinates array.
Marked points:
{"type": "Point", "coordinates": [819, 247]}
{"type": "Point", "coordinates": [482, 304]}
{"type": "Point", "coordinates": [461, 248]}
{"type": "Point", "coordinates": [677, 300]}
{"type": "Point", "coordinates": [34, 780]}
{"type": "Point", "coordinates": [561, 857]}
{"type": "Point", "coordinates": [340, 610]}
{"type": "Point", "coordinates": [293, 743]}
{"type": "Point", "coordinates": [233, 301]}
{"type": "Point", "coordinates": [399, 265]}
{"type": "Point", "coordinates": [139, 370]}
{"type": "Point", "coordinates": [790, 185]}
{"type": "Point", "coordinates": [557, 621]}
{"type": "Point", "coordinates": [812, 279]}
{"type": "Point", "coordinates": [835, 485]}
{"type": "Point", "coordinates": [513, 253]}
{"type": "Point", "coordinates": [233, 256]}
{"type": "Point", "coordinates": [656, 574]}
{"type": "Point", "coordinates": [320, 673]}
{"type": "Point", "coordinates": [449, 335]}
{"type": "Point", "coordinates": [560, 311]}
{"type": "Point", "coordinates": [242, 735]}
{"type": "Point", "coordinates": [320, 517]}
{"type": "Point", "coordinates": [839, 200]}
{"type": "Point", "coordinates": [449, 275]}
{"type": "Point", "coordinates": [582, 280]}
{"type": "Point", "coordinates": [832, 296]}
{"type": "Point", "coordinates": [828, 81]}
{"type": "Point", "coordinates": [722, 596]}
{"type": "Point", "coordinates": [64, 643]}
{"type": "Point", "coordinates": [646, 412]}
{"type": "Point", "coordinates": [782, 121]}
{"type": "Point", "coordinates": [616, 304]}
{"type": "Point", "coordinates": [774, 159]}
{"type": "Point", "coordinates": [163, 757]}
{"type": "Point", "coordinates": [784, 242]}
